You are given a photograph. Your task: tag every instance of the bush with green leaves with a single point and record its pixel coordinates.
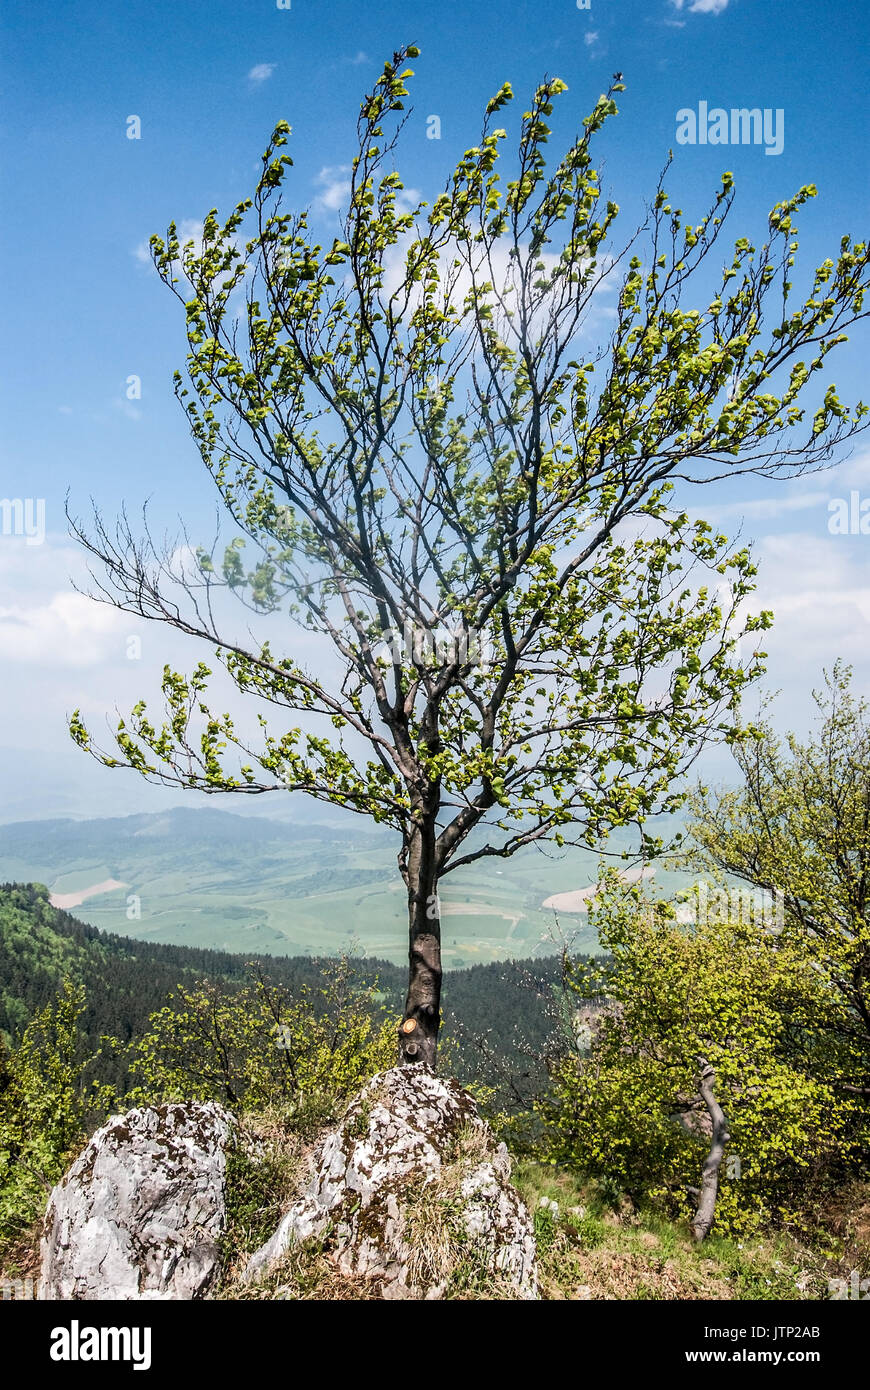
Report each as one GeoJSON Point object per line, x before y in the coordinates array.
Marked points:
{"type": "Point", "coordinates": [47, 1105]}
{"type": "Point", "coordinates": [798, 825]}
{"type": "Point", "coordinates": [291, 1059]}
{"type": "Point", "coordinates": [261, 1047]}
{"type": "Point", "coordinates": [625, 1105]}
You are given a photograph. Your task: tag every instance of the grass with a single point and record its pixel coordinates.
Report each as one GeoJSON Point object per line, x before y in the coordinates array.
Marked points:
{"type": "Point", "coordinates": [587, 1250]}
{"type": "Point", "coordinates": [261, 1180]}
{"type": "Point", "coordinates": [444, 1255]}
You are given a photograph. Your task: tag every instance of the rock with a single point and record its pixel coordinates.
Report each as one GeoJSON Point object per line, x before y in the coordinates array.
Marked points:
{"type": "Point", "coordinates": [141, 1211]}
{"type": "Point", "coordinates": [409, 1183]}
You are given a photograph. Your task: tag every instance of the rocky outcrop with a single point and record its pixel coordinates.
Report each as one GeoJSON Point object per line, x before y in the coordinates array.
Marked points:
{"type": "Point", "coordinates": [140, 1213]}
{"type": "Point", "coordinates": [412, 1191]}
{"type": "Point", "coordinates": [409, 1195]}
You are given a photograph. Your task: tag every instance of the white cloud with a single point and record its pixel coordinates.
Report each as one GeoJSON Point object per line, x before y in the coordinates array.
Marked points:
{"type": "Point", "coordinates": [69, 630]}
{"type": "Point", "coordinates": [812, 493]}
{"type": "Point", "coordinates": [457, 282]}
{"type": "Point", "coordinates": [359, 58]}
{"type": "Point", "coordinates": [127, 408]}
{"type": "Point", "coordinates": [591, 38]}
{"type": "Point", "coordinates": [262, 72]}
{"type": "Point", "coordinates": [818, 587]}
{"type": "Point", "coordinates": [190, 229]}
{"type": "Point", "coordinates": [334, 183]}
{"type": "Point", "coordinates": [766, 508]}
{"type": "Point", "coordinates": [854, 472]}
{"type": "Point", "coordinates": [702, 6]}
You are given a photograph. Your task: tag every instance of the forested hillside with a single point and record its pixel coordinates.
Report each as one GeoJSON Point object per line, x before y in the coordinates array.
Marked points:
{"type": "Point", "coordinates": [498, 1016]}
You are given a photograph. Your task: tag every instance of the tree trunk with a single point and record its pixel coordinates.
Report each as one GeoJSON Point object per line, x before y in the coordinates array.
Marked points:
{"type": "Point", "coordinates": [418, 1031]}
{"type": "Point", "coordinates": [703, 1219]}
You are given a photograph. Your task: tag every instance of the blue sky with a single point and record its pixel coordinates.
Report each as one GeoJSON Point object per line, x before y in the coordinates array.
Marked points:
{"type": "Point", "coordinates": [208, 80]}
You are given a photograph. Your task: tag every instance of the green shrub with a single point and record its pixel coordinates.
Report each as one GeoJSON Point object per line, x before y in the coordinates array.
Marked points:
{"type": "Point", "coordinates": [259, 1048]}
{"type": "Point", "coordinates": [47, 1106]}
{"type": "Point", "coordinates": [626, 1109]}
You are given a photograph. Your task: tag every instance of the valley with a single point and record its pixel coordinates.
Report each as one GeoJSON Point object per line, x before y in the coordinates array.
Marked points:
{"type": "Point", "coordinates": [212, 879]}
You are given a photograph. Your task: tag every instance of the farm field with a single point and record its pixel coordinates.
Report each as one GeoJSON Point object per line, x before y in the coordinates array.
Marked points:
{"type": "Point", "coordinates": [240, 883]}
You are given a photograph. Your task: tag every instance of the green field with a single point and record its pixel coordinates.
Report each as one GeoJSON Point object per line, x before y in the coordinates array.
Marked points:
{"type": "Point", "coordinates": [242, 883]}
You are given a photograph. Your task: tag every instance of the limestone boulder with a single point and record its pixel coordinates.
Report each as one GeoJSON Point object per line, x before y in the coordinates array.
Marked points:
{"type": "Point", "coordinates": [141, 1212]}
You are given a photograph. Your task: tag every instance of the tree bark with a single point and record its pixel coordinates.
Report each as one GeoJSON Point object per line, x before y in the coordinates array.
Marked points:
{"type": "Point", "coordinates": [418, 1031]}
{"type": "Point", "coordinates": [703, 1219]}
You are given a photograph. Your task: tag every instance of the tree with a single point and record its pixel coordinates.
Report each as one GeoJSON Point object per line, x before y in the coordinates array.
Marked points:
{"type": "Point", "coordinates": [705, 1046]}
{"type": "Point", "coordinates": [432, 464]}
{"type": "Point", "coordinates": [307, 1052]}
{"type": "Point", "coordinates": [47, 1102]}
{"type": "Point", "coordinates": [799, 826]}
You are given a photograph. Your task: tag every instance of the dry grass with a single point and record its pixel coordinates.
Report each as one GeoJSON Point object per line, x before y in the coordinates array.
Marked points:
{"type": "Point", "coordinates": [444, 1257]}
{"type": "Point", "coordinates": [21, 1262]}
{"type": "Point", "coordinates": [587, 1251]}
{"type": "Point", "coordinates": [260, 1188]}
{"type": "Point", "coordinates": [306, 1272]}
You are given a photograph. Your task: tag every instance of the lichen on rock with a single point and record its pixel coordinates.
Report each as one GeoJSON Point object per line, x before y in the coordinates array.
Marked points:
{"type": "Point", "coordinates": [141, 1212]}
{"type": "Point", "coordinates": [415, 1194]}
